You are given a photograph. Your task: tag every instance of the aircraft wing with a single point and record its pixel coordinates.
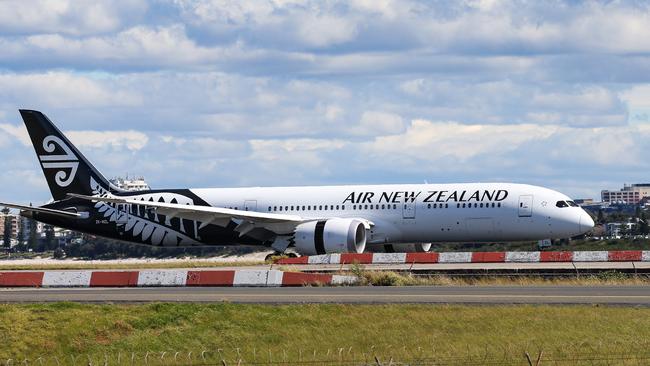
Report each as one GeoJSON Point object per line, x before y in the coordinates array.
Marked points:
{"type": "Point", "coordinates": [48, 211]}
{"type": "Point", "coordinates": [206, 214]}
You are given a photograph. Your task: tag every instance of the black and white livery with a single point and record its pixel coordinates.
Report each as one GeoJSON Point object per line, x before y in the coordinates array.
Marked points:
{"type": "Point", "coordinates": [312, 220]}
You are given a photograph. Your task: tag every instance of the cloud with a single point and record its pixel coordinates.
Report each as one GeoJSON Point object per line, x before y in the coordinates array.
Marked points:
{"type": "Point", "coordinates": [67, 17]}
{"type": "Point", "coordinates": [55, 88]}
{"type": "Point", "coordinates": [375, 123]}
{"type": "Point", "coordinates": [313, 92]}
{"type": "Point", "coordinates": [130, 140]}
{"type": "Point", "coordinates": [18, 132]}
{"type": "Point", "coordinates": [434, 141]}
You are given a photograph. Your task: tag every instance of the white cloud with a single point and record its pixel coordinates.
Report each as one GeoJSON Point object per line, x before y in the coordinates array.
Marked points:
{"type": "Point", "coordinates": [131, 140]}
{"type": "Point", "coordinates": [375, 123]}
{"type": "Point", "coordinates": [321, 31]}
{"type": "Point", "coordinates": [57, 89]}
{"type": "Point", "coordinates": [66, 16]}
{"type": "Point", "coordinates": [18, 132]}
{"type": "Point", "coordinates": [427, 140]}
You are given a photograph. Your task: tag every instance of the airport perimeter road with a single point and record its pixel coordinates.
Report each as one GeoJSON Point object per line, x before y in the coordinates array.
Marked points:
{"type": "Point", "coordinates": [620, 295]}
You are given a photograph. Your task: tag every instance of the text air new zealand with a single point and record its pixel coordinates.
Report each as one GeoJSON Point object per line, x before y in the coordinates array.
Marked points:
{"type": "Point", "coordinates": [312, 220]}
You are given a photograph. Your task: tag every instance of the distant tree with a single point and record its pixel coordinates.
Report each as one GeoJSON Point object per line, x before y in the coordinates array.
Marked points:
{"type": "Point", "coordinates": [644, 228]}
{"type": "Point", "coordinates": [50, 242]}
{"type": "Point", "coordinates": [6, 238]}
{"type": "Point", "coordinates": [601, 217]}
{"type": "Point", "coordinates": [32, 241]}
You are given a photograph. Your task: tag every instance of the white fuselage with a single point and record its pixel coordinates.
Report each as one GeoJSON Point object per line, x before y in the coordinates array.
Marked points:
{"type": "Point", "coordinates": [422, 213]}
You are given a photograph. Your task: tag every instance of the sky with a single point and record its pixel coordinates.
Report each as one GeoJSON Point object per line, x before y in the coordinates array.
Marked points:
{"type": "Point", "coordinates": [264, 93]}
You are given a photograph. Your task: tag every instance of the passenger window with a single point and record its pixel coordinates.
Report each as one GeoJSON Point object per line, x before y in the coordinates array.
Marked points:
{"type": "Point", "coordinates": [325, 207]}
{"type": "Point", "coordinates": [481, 205]}
{"type": "Point", "coordinates": [561, 204]}
{"type": "Point", "coordinates": [337, 207]}
{"type": "Point", "coordinates": [394, 207]}
{"type": "Point", "coordinates": [343, 207]}
{"type": "Point", "coordinates": [269, 208]}
{"type": "Point", "coordinates": [458, 205]}
{"type": "Point", "coordinates": [463, 205]}
{"type": "Point", "coordinates": [331, 207]}
{"type": "Point", "coordinates": [499, 204]}
{"type": "Point", "coordinates": [354, 207]}
{"type": "Point", "coordinates": [383, 207]}
{"type": "Point", "coordinates": [428, 205]}
{"type": "Point", "coordinates": [320, 207]}
{"type": "Point", "coordinates": [286, 208]}
{"type": "Point", "coordinates": [280, 208]}
{"type": "Point", "coordinates": [291, 208]}
{"type": "Point", "coordinates": [365, 207]}
{"type": "Point", "coordinates": [446, 205]}
{"type": "Point", "coordinates": [303, 208]}
{"type": "Point", "coordinates": [492, 204]}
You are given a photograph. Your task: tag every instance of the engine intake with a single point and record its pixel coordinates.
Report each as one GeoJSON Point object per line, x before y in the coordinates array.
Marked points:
{"type": "Point", "coordinates": [331, 236]}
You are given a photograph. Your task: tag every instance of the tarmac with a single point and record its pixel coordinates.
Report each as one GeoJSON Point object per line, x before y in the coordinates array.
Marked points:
{"type": "Point", "coordinates": [606, 295]}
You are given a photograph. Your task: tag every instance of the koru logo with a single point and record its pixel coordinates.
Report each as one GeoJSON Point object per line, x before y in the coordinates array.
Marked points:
{"type": "Point", "coordinates": [68, 160]}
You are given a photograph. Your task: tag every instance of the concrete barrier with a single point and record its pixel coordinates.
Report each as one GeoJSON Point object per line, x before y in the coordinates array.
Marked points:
{"type": "Point", "coordinates": [66, 279]}
{"type": "Point", "coordinates": [388, 257]}
{"type": "Point", "coordinates": [522, 257]}
{"type": "Point", "coordinates": [455, 257]}
{"type": "Point", "coordinates": [161, 278]}
{"type": "Point", "coordinates": [590, 256]}
{"type": "Point", "coordinates": [473, 257]}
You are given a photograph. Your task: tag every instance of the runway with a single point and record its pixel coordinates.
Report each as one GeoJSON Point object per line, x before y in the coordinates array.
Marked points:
{"type": "Point", "coordinates": [613, 295]}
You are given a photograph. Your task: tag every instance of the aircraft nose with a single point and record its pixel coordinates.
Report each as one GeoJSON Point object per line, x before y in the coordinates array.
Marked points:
{"type": "Point", "coordinates": [586, 223]}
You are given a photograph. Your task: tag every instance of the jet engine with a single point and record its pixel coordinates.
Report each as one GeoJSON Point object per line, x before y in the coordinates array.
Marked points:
{"type": "Point", "coordinates": [401, 248]}
{"type": "Point", "coordinates": [330, 236]}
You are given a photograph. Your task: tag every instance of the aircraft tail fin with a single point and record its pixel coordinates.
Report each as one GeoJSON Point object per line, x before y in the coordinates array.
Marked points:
{"type": "Point", "coordinates": [65, 168]}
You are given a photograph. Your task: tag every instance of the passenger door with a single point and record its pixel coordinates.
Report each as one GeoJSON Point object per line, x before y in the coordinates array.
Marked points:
{"type": "Point", "coordinates": [408, 210]}
{"type": "Point", "coordinates": [526, 205]}
{"type": "Point", "coordinates": [250, 205]}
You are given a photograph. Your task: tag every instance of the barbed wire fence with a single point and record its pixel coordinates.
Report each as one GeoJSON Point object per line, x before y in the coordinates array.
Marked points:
{"type": "Point", "coordinates": [339, 356]}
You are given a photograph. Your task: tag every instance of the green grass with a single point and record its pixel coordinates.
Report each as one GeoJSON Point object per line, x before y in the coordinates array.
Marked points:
{"type": "Point", "coordinates": [147, 265]}
{"type": "Point", "coordinates": [61, 331]}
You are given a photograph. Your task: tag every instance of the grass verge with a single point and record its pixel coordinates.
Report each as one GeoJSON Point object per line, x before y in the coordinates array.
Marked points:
{"type": "Point", "coordinates": [391, 278]}
{"type": "Point", "coordinates": [126, 265]}
{"type": "Point", "coordinates": [67, 332]}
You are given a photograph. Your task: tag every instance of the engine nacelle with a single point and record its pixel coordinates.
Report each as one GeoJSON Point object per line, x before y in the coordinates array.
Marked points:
{"type": "Point", "coordinates": [401, 248]}
{"type": "Point", "coordinates": [331, 236]}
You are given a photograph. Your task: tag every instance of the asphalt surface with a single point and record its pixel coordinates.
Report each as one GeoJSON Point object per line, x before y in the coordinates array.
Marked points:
{"type": "Point", "coordinates": [615, 295]}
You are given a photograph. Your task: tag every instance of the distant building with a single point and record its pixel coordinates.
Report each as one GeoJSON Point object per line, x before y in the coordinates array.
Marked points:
{"type": "Point", "coordinates": [15, 219]}
{"type": "Point", "coordinates": [630, 194]}
{"type": "Point", "coordinates": [617, 229]}
{"type": "Point", "coordinates": [131, 184]}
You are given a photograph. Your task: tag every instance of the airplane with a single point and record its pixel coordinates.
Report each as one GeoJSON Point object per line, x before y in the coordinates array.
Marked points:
{"type": "Point", "coordinates": [310, 220]}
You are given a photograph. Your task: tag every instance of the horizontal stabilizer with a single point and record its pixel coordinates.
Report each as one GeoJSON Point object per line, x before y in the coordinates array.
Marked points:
{"type": "Point", "coordinates": [44, 210]}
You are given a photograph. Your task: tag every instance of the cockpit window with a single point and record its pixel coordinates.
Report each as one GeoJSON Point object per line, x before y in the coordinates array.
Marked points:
{"type": "Point", "coordinates": [572, 204]}
{"type": "Point", "coordinates": [561, 204]}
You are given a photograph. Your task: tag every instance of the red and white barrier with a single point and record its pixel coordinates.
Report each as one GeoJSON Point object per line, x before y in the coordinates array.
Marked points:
{"type": "Point", "coordinates": [473, 257]}
{"type": "Point", "coordinates": [165, 278]}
